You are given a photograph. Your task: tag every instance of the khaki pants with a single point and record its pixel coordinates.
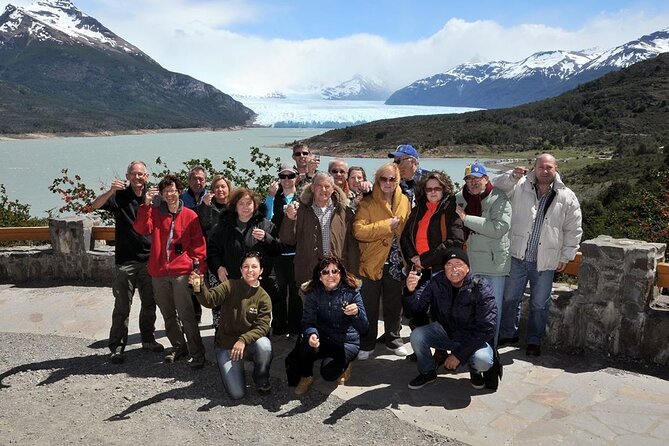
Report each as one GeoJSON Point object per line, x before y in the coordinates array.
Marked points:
{"type": "Point", "coordinates": [173, 297]}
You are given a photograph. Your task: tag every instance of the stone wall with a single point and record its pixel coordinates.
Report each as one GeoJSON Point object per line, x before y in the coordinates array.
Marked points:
{"type": "Point", "coordinates": [610, 312]}
{"type": "Point", "coordinates": [73, 256]}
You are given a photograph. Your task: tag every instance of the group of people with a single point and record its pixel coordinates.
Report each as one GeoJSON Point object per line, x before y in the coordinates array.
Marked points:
{"type": "Point", "coordinates": [326, 251]}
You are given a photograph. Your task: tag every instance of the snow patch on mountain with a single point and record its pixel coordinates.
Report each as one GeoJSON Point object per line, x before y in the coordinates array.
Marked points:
{"type": "Point", "coordinates": [358, 88]}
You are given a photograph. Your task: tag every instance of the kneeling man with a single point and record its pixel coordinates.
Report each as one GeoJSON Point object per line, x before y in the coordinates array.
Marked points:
{"type": "Point", "coordinates": [464, 312]}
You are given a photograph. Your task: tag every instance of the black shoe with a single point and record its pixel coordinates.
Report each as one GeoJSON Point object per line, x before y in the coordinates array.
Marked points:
{"type": "Point", "coordinates": [174, 355]}
{"type": "Point", "coordinates": [197, 364]}
{"type": "Point", "coordinates": [265, 389]}
{"type": "Point", "coordinates": [153, 346]}
{"type": "Point", "coordinates": [116, 356]}
{"type": "Point", "coordinates": [421, 380]}
{"type": "Point", "coordinates": [508, 341]}
{"type": "Point", "coordinates": [477, 380]}
{"type": "Point", "coordinates": [412, 357]}
{"type": "Point", "coordinates": [493, 375]}
{"type": "Point", "coordinates": [533, 350]}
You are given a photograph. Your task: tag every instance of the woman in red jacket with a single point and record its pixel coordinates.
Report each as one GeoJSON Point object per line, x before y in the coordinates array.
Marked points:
{"type": "Point", "coordinates": [176, 240]}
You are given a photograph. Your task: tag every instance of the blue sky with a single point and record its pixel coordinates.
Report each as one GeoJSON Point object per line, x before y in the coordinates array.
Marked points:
{"type": "Point", "coordinates": [260, 46]}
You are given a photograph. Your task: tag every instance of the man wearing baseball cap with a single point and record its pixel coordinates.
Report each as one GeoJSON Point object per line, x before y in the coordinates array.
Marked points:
{"type": "Point", "coordinates": [406, 157]}
{"type": "Point", "coordinates": [465, 312]}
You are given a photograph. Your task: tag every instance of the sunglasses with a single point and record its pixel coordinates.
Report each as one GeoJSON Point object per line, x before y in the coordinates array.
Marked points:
{"type": "Point", "coordinates": [335, 171]}
{"type": "Point", "coordinates": [329, 272]}
{"type": "Point", "coordinates": [300, 153]}
{"type": "Point", "coordinates": [287, 176]}
{"type": "Point", "coordinates": [399, 160]}
{"type": "Point", "coordinates": [387, 179]}
{"type": "Point", "coordinates": [434, 189]}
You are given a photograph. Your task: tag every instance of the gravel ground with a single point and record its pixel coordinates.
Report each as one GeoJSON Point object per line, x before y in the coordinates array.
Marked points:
{"type": "Point", "coordinates": [61, 390]}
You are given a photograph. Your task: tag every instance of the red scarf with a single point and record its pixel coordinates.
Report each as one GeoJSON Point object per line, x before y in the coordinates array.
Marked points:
{"type": "Point", "coordinates": [474, 201]}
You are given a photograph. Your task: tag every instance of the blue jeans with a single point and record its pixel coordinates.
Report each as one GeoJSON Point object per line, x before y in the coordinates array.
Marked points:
{"type": "Point", "coordinates": [232, 372]}
{"type": "Point", "coordinates": [434, 335]}
{"type": "Point", "coordinates": [497, 284]}
{"type": "Point", "coordinates": [541, 286]}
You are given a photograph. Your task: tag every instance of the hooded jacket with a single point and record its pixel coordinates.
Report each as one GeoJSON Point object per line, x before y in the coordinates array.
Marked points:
{"type": "Point", "coordinates": [176, 239]}
{"type": "Point", "coordinates": [469, 317]}
{"type": "Point", "coordinates": [561, 230]}
{"type": "Point", "coordinates": [372, 229]}
{"type": "Point", "coordinates": [305, 234]}
{"type": "Point", "coordinates": [455, 235]}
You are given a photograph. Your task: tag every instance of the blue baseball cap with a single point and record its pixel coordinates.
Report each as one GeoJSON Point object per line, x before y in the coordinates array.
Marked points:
{"type": "Point", "coordinates": [404, 150]}
{"type": "Point", "coordinates": [476, 170]}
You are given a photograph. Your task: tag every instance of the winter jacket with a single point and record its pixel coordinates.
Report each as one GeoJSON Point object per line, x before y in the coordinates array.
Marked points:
{"type": "Point", "coordinates": [455, 235]}
{"type": "Point", "coordinates": [469, 318]}
{"type": "Point", "coordinates": [561, 231]}
{"type": "Point", "coordinates": [176, 239]}
{"type": "Point", "coordinates": [488, 241]}
{"type": "Point", "coordinates": [277, 204]}
{"type": "Point", "coordinates": [305, 234]}
{"type": "Point", "coordinates": [209, 215]}
{"type": "Point", "coordinates": [372, 229]}
{"type": "Point", "coordinates": [227, 245]}
{"type": "Point", "coordinates": [246, 312]}
{"type": "Point", "coordinates": [323, 315]}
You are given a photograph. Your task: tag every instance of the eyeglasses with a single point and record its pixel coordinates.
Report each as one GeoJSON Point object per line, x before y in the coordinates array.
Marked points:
{"type": "Point", "coordinates": [429, 190]}
{"type": "Point", "coordinates": [387, 179]}
{"type": "Point", "coordinates": [399, 160]}
{"type": "Point", "coordinates": [335, 171]}
{"type": "Point", "coordinates": [287, 176]}
{"type": "Point", "coordinates": [329, 272]}
{"type": "Point", "coordinates": [170, 191]}
{"type": "Point", "coordinates": [300, 153]}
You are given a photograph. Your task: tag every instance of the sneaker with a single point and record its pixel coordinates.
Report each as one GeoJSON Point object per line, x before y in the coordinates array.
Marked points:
{"type": "Point", "coordinates": [399, 351]}
{"type": "Point", "coordinates": [174, 355]}
{"type": "Point", "coordinates": [477, 380]}
{"type": "Point", "coordinates": [304, 385]}
{"type": "Point", "coordinates": [265, 389]}
{"type": "Point", "coordinates": [364, 354]}
{"type": "Point", "coordinates": [508, 341]}
{"type": "Point", "coordinates": [533, 350]}
{"type": "Point", "coordinates": [197, 364]}
{"type": "Point", "coordinates": [421, 380]}
{"type": "Point", "coordinates": [153, 346]}
{"type": "Point", "coordinates": [345, 376]}
{"type": "Point", "coordinates": [116, 356]}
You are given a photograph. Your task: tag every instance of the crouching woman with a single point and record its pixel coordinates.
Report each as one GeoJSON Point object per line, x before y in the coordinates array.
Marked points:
{"type": "Point", "coordinates": [246, 314]}
{"type": "Point", "coordinates": [333, 320]}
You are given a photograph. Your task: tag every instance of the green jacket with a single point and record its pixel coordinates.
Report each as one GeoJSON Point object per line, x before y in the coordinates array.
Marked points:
{"type": "Point", "coordinates": [246, 312]}
{"type": "Point", "coordinates": [488, 243]}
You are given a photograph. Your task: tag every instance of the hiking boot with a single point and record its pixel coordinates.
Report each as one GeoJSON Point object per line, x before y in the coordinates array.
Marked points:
{"type": "Point", "coordinates": [265, 389]}
{"type": "Point", "coordinates": [153, 346]}
{"type": "Point", "coordinates": [345, 376]}
{"type": "Point", "coordinates": [533, 350]}
{"type": "Point", "coordinates": [477, 380]}
{"type": "Point", "coordinates": [175, 354]}
{"type": "Point", "coordinates": [116, 356]}
{"type": "Point", "coordinates": [304, 385]}
{"type": "Point", "coordinates": [421, 380]}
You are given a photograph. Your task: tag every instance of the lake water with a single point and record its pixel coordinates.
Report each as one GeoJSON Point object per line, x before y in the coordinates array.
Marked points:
{"type": "Point", "coordinates": [28, 167]}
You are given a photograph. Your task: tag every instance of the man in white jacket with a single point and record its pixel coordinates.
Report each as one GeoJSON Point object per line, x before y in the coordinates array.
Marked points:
{"type": "Point", "coordinates": [545, 235]}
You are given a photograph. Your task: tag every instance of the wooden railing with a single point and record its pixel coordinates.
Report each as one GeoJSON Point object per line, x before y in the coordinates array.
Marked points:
{"type": "Point", "coordinates": [41, 233]}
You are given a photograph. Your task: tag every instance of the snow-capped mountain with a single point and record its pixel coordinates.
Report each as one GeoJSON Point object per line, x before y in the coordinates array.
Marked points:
{"type": "Point", "coordinates": [358, 88]}
{"type": "Point", "coordinates": [62, 70]}
{"type": "Point", "coordinates": [544, 74]}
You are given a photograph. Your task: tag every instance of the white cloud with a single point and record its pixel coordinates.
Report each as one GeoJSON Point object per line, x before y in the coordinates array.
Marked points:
{"type": "Point", "coordinates": [193, 37]}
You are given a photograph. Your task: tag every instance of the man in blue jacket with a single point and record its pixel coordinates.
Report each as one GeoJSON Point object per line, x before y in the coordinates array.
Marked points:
{"type": "Point", "coordinates": [463, 307]}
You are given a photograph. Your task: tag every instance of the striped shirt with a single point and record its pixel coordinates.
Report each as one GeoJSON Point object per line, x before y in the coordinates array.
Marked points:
{"type": "Point", "coordinates": [324, 215]}
{"type": "Point", "coordinates": [533, 242]}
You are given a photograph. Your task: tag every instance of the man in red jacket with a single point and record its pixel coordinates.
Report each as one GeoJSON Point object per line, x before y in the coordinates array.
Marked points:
{"type": "Point", "coordinates": [176, 240]}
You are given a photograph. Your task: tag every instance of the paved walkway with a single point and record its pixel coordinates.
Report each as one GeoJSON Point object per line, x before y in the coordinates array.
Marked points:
{"type": "Point", "coordinates": [552, 399]}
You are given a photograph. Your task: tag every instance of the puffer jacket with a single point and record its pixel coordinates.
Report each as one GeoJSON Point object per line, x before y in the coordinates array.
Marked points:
{"type": "Point", "coordinates": [372, 229]}
{"type": "Point", "coordinates": [171, 256]}
{"type": "Point", "coordinates": [305, 234]}
{"type": "Point", "coordinates": [455, 235]}
{"type": "Point", "coordinates": [561, 231]}
{"type": "Point", "coordinates": [323, 315]}
{"type": "Point", "coordinates": [227, 245]}
{"type": "Point", "coordinates": [488, 241]}
{"type": "Point", "coordinates": [468, 317]}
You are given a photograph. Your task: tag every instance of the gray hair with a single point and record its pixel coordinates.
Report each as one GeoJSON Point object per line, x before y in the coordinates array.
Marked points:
{"type": "Point", "coordinates": [197, 168]}
{"type": "Point", "coordinates": [338, 160]}
{"type": "Point", "coordinates": [320, 175]}
{"type": "Point", "coordinates": [132, 163]}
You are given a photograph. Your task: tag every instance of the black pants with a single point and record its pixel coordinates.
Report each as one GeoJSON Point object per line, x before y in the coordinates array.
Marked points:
{"type": "Point", "coordinates": [287, 307]}
{"type": "Point", "coordinates": [330, 369]}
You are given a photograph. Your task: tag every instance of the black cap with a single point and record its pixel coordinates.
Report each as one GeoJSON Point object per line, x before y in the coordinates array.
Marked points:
{"type": "Point", "coordinates": [454, 253]}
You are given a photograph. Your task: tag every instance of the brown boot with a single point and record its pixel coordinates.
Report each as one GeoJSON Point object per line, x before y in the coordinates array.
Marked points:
{"type": "Point", "coordinates": [304, 385]}
{"type": "Point", "coordinates": [345, 376]}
